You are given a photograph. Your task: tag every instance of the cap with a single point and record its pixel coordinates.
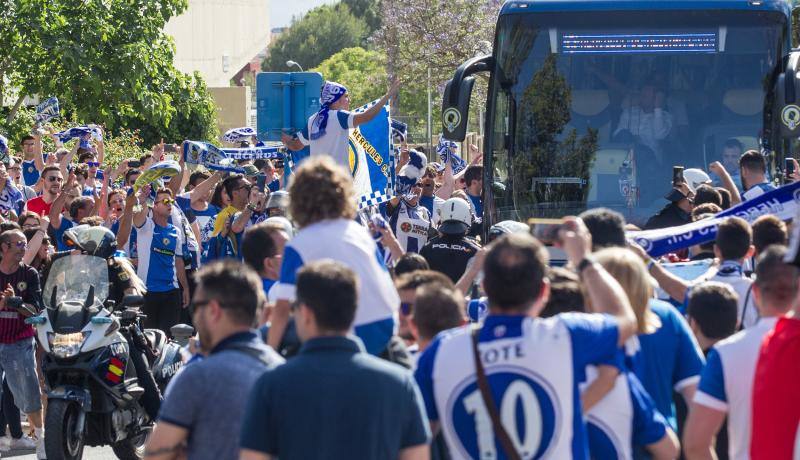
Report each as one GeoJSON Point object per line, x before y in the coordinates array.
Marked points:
{"type": "Point", "coordinates": [250, 170]}
{"type": "Point", "coordinates": [455, 217]}
{"type": "Point", "coordinates": [675, 195]}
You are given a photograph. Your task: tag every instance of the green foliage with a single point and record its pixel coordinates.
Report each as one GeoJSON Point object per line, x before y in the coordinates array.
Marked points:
{"type": "Point", "coordinates": [368, 10]}
{"type": "Point", "coordinates": [321, 33]}
{"type": "Point", "coordinates": [362, 72]}
{"type": "Point", "coordinates": [108, 62]}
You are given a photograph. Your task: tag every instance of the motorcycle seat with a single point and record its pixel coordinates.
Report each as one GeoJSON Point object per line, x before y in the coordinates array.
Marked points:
{"type": "Point", "coordinates": [157, 339]}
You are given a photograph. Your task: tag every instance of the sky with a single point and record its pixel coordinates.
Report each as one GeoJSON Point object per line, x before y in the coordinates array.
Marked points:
{"type": "Point", "coordinates": [281, 11]}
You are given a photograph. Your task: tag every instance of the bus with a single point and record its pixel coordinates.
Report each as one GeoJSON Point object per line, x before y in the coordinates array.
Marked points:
{"type": "Point", "coordinates": [592, 102]}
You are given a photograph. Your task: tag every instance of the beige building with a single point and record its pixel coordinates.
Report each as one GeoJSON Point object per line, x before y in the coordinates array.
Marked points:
{"type": "Point", "coordinates": [219, 37]}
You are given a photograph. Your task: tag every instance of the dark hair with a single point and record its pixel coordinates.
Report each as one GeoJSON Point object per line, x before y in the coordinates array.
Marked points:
{"type": "Point", "coordinates": [714, 306]}
{"type": "Point", "coordinates": [769, 230]}
{"type": "Point", "coordinates": [705, 209]}
{"type": "Point", "coordinates": [258, 244]}
{"type": "Point", "coordinates": [47, 169]}
{"type": "Point", "coordinates": [81, 170]}
{"type": "Point", "coordinates": [26, 137]}
{"type": "Point", "coordinates": [230, 183]}
{"type": "Point", "coordinates": [725, 196]}
{"type": "Point", "coordinates": [473, 173]}
{"type": "Point", "coordinates": [414, 280]}
{"type": "Point", "coordinates": [130, 173]}
{"type": "Point", "coordinates": [216, 197]}
{"type": "Point", "coordinates": [330, 290]}
{"type": "Point", "coordinates": [565, 293]}
{"type": "Point", "coordinates": [733, 238]}
{"type": "Point", "coordinates": [78, 204]}
{"type": "Point", "coordinates": [776, 279]}
{"type": "Point", "coordinates": [753, 160]}
{"type": "Point", "coordinates": [606, 226]}
{"type": "Point", "coordinates": [5, 237]}
{"type": "Point", "coordinates": [88, 155]}
{"type": "Point", "coordinates": [733, 143]}
{"type": "Point", "coordinates": [514, 271]}
{"type": "Point", "coordinates": [707, 194]}
{"type": "Point", "coordinates": [235, 287]}
{"type": "Point", "coordinates": [410, 262]}
{"type": "Point", "coordinates": [92, 221]}
{"type": "Point", "coordinates": [25, 215]}
{"type": "Point", "coordinates": [437, 309]}
{"type": "Point", "coordinates": [708, 246]}
{"type": "Point", "coordinates": [198, 176]}
{"type": "Point", "coordinates": [164, 191]}
{"type": "Point", "coordinates": [145, 157]}
{"type": "Point", "coordinates": [8, 226]}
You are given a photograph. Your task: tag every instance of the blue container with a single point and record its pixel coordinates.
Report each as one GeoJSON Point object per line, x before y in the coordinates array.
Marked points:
{"type": "Point", "coordinates": [285, 101]}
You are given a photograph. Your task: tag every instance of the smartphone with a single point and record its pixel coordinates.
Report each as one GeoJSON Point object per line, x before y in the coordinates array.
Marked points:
{"type": "Point", "coordinates": [545, 230]}
{"type": "Point", "coordinates": [134, 163]}
{"type": "Point", "coordinates": [261, 182]}
{"type": "Point", "coordinates": [677, 176]}
{"type": "Point", "coordinates": [789, 167]}
{"type": "Point", "coordinates": [99, 174]}
{"type": "Point", "coordinates": [278, 164]}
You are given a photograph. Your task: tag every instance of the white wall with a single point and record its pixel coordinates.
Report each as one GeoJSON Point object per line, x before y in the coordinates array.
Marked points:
{"type": "Point", "coordinates": [211, 29]}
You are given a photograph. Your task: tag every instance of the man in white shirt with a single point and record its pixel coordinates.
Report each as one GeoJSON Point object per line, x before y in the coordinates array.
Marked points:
{"type": "Point", "coordinates": [328, 131]}
{"type": "Point", "coordinates": [646, 119]}
{"type": "Point", "coordinates": [726, 384]}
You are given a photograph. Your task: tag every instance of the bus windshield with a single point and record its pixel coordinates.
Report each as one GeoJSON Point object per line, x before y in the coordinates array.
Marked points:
{"type": "Point", "coordinates": [596, 115]}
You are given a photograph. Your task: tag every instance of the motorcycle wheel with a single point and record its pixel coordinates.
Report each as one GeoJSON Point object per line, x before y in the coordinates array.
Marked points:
{"type": "Point", "coordinates": [131, 449]}
{"type": "Point", "coordinates": [61, 441]}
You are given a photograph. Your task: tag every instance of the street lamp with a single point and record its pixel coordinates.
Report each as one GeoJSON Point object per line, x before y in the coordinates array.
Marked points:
{"type": "Point", "coordinates": [291, 63]}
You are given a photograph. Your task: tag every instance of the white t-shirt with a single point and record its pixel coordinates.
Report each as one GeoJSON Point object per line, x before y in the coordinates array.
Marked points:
{"type": "Point", "coordinates": [731, 273]}
{"type": "Point", "coordinates": [726, 383]}
{"type": "Point", "coordinates": [336, 140]}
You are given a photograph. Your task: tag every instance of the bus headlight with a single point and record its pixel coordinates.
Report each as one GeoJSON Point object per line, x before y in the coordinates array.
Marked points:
{"type": "Point", "coordinates": [66, 345]}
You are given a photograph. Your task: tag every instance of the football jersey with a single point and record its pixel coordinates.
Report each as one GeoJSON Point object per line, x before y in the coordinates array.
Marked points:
{"type": "Point", "coordinates": [666, 360]}
{"type": "Point", "coordinates": [726, 383]}
{"type": "Point", "coordinates": [536, 391]}
{"type": "Point", "coordinates": [11, 199]}
{"type": "Point", "coordinates": [626, 416]}
{"type": "Point", "coordinates": [731, 273]}
{"type": "Point", "coordinates": [30, 175]}
{"type": "Point", "coordinates": [205, 220]}
{"type": "Point", "coordinates": [432, 204]}
{"type": "Point", "coordinates": [349, 243]}
{"type": "Point", "coordinates": [410, 225]}
{"type": "Point", "coordinates": [336, 140]}
{"type": "Point", "coordinates": [757, 190]}
{"type": "Point", "coordinates": [157, 248]}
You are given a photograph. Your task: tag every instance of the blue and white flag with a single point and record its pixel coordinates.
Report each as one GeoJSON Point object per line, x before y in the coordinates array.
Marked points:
{"type": "Point", "coordinates": [239, 134]}
{"type": "Point", "coordinates": [399, 132]}
{"type": "Point", "coordinates": [255, 153]}
{"type": "Point", "coordinates": [783, 203]}
{"type": "Point", "coordinates": [79, 132]}
{"type": "Point", "coordinates": [370, 156]}
{"type": "Point", "coordinates": [47, 110]}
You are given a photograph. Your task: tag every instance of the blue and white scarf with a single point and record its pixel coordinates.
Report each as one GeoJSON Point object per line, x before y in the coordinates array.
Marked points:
{"type": "Point", "coordinates": [238, 134]}
{"type": "Point", "coordinates": [410, 174]}
{"type": "Point", "coordinates": [399, 131]}
{"type": "Point", "coordinates": [215, 158]}
{"type": "Point", "coordinates": [3, 145]}
{"type": "Point", "coordinates": [79, 132]}
{"type": "Point", "coordinates": [47, 110]}
{"type": "Point", "coordinates": [782, 202]}
{"type": "Point", "coordinates": [447, 152]}
{"type": "Point", "coordinates": [331, 92]}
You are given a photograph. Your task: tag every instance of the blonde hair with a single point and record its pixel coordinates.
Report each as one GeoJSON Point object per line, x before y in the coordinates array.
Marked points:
{"type": "Point", "coordinates": [629, 270]}
{"type": "Point", "coordinates": [321, 190]}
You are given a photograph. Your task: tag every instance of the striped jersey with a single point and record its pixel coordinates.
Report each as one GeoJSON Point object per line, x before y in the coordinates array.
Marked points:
{"type": "Point", "coordinates": [157, 248]}
{"type": "Point", "coordinates": [410, 225]}
{"type": "Point", "coordinates": [25, 282]}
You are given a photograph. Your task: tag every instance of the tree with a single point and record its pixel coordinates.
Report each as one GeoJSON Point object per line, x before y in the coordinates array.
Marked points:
{"type": "Point", "coordinates": [368, 10]}
{"type": "Point", "coordinates": [321, 33]}
{"type": "Point", "coordinates": [362, 72]}
{"type": "Point", "coordinates": [439, 35]}
{"type": "Point", "coordinates": [108, 62]}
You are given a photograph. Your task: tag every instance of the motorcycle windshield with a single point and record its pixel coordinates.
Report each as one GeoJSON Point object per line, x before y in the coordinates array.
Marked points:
{"type": "Point", "coordinates": [72, 276]}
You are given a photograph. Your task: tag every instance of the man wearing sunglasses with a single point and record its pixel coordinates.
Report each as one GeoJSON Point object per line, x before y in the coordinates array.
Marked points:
{"type": "Point", "coordinates": [51, 182]}
{"type": "Point", "coordinates": [90, 160]}
{"type": "Point", "coordinates": [226, 237]}
{"type": "Point", "coordinates": [237, 188]}
{"type": "Point", "coordinates": [161, 266]}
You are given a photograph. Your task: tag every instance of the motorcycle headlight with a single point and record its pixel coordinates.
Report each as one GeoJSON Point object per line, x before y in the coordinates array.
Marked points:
{"type": "Point", "coordinates": [66, 345]}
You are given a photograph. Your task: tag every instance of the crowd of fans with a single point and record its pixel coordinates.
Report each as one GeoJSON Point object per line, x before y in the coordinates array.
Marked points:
{"type": "Point", "coordinates": [400, 331]}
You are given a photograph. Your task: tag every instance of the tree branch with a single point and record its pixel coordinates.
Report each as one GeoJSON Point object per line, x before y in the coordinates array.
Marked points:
{"type": "Point", "coordinates": [13, 113]}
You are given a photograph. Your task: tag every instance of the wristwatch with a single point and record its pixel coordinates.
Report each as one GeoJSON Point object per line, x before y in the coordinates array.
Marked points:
{"type": "Point", "coordinates": [251, 207]}
{"type": "Point", "coordinates": [586, 262]}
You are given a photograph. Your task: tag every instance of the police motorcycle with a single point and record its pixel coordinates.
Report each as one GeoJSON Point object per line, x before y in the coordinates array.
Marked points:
{"type": "Point", "coordinates": [94, 395]}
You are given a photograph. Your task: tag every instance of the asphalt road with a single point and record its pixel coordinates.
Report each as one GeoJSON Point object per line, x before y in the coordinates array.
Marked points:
{"type": "Point", "coordinates": [90, 453]}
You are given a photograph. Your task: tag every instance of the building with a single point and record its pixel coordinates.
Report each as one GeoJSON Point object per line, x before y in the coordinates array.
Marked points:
{"type": "Point", "coordinates": [219, 38]}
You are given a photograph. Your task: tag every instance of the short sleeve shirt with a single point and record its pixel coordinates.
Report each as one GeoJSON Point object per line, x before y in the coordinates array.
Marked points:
{"type": "Point", "coordinates": [336, 140]}
{"type": "Point", "coordinates": [39, 206]}
{"type": "Point", "coordinates": [157, 248]}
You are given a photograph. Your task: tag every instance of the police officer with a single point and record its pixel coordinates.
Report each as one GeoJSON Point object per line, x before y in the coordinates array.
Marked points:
{"type": "Point", "coordinates": [451, 251]}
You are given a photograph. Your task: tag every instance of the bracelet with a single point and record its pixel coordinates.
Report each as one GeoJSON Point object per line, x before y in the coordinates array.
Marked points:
{"type": "Point", "coordinates": [251, 207]}
{"type": "Point", "coordinates": [650, 264]}
{"type": "Point", "coordinates": [586, 262]}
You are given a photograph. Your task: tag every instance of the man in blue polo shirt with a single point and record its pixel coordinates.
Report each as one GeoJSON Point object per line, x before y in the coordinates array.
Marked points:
{"type": "Point", "coordinates": [161, 267]}
{"type": "Point", "coordinates": [753, 167]}
{"type": "Point", "coordinates": [332, 400]}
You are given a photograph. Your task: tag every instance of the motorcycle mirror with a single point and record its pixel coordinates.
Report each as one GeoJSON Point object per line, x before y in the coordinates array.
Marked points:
{"type": "Point", "coordinates": [53, 297]}
{"type": "Point", "coordinates": [132, 300]}
{"type": "Point", "coordinates": [182, 332]}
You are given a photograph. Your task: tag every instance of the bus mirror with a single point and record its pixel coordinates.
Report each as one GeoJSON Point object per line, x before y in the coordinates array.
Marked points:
{"type": "Point", "coordinates": [787, 98]}
{"type": "Point", "coordinates": [455, 115]}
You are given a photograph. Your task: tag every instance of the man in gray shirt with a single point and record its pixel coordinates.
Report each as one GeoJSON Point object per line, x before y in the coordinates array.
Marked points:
{"type": "Point", "coordinates": [203, 406]}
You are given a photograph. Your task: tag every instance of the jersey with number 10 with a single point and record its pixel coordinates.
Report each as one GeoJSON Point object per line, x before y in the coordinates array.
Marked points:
{"type": "Point", "coordinates": [533, 367]}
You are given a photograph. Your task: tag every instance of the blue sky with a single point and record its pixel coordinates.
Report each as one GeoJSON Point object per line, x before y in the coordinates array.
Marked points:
{"type": "Point", "coordinates": [281, 11]}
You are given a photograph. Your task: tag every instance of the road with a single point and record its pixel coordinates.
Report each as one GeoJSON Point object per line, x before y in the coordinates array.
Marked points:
{"type": "Point", "coordinates": [90, 453]}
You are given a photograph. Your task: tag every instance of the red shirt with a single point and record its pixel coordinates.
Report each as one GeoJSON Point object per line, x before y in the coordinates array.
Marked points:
{"type": "Point", "coordinates": [39, 206]}
{"type": "Point", "coordinates": [776, 399]}
{"type": "Point", "coordinates": [25, 282]}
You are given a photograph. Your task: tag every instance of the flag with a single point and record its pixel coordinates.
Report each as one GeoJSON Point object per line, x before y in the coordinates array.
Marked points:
{"type": "Point", "coordinates": [47, 110]}
{"type": "Point", "coordinates": [370, 159]}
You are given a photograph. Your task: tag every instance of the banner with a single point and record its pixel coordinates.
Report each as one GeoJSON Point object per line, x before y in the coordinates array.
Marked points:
{"type": "Point", "coordinates": [782, 203]}
{"type": "Point", "coordinates": [47, 110]}
{"type": "Point", "coordinates": [370, 158]}
{"type": "Point", "coordinates": [217, 159]}
{"type": "Point", "coordinates": [79, 132]}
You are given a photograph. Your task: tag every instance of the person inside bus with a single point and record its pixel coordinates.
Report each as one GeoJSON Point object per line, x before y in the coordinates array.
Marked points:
{"type": "Point", "coordinates": [646, 120]}
{"type": "Point", "coordinates": [732, 150]}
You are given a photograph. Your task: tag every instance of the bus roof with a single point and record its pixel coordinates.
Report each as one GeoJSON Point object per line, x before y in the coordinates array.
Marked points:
{"type": "Point", "coordinates": [529, 6]}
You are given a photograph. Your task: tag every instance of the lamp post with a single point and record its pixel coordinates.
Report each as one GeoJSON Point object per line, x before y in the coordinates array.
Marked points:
{"type": "Point", "coordinates": [291, 63]}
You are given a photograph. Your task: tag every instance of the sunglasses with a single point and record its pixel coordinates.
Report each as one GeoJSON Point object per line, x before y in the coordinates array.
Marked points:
{"type": "Point", "coordinates": [55, 179]}
{"type": "Point", "coordinates": [246, 186]}
{"type": "Point", "coordinates": [92, 164]}
{"type": "Point", "coordinates": [196, 305]}
{"type": "Point", "coordinates": [166, 201]}
{"type": "Point", "coordinates": [405, 308]}
{"type": "Point", "coordinates": [20, 244]}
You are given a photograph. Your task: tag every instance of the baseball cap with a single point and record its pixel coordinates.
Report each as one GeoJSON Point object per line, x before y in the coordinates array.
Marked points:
{"type": "Point", "coordinates": [455, 216]}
